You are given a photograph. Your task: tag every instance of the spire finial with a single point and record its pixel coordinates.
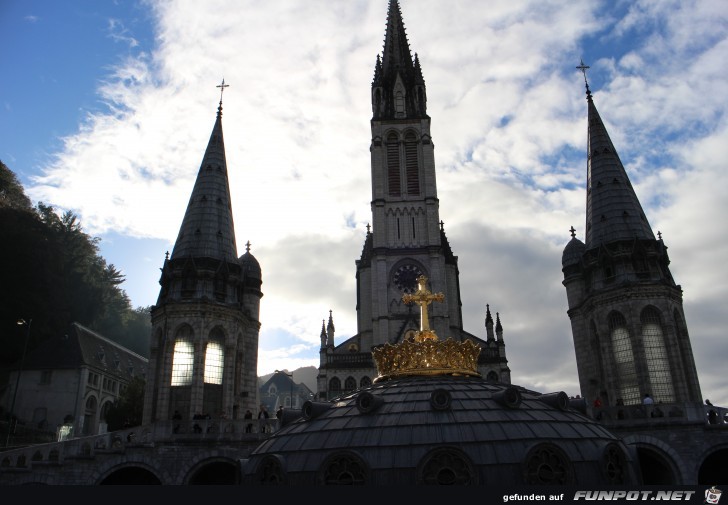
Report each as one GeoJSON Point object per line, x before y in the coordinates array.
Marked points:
{"type": "Point", "coordinates": [247, 246]}
{"type": "Point", "coordinates": [583, 69]}
{"type": "Point", "coordinates": [368, 228]}
{"type": "Point", "coordinates": [659, 235]}
{"type": "Point", "coordinates": [166, 255]}
{"type": "Point", "coordinates": [442, 225]}
{"type": "Point", "coordinates": [222, 87]}
{"type": "Point", "coordinates": [573, 232]}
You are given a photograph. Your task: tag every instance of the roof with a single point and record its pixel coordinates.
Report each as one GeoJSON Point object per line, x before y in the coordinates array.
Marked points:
{"type": "Point", "coordinates": [81, 347]}
{"type": "Point", "coordinates": [441, 429]}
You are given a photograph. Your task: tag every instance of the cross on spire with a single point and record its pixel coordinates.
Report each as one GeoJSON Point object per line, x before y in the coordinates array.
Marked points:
{"type": "Point", "coordinates": [442, 225]}
{"type": "Point", "coordinates": [573, 232]}
{"type": "Point", "coordinates": [247, 246]}
{"type": "Point", "coordinates": [583, 69]}
{"type": "Point", "coordinates": [222, 87]}
{"type": "Point", "coordinates": [659, 235]}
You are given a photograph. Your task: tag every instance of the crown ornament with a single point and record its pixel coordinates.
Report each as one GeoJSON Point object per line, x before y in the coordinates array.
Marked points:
{"type": "Point", "coordinates": [424, 353]}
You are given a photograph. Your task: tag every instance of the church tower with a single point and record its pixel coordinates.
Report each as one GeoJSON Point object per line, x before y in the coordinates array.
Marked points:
{"type": "Point", "coordinates": [407, 238]}
{"type": "Point", "coordinates": [627, 320]}
{"type": "Point", "coordinates": [205, 325]}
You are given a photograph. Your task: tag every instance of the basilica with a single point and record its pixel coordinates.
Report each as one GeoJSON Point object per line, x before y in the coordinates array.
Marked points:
{"type": "Point", "coordinates": [412, 397]}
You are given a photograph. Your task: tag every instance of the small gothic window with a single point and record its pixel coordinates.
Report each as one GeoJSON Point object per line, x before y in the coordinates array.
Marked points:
{"type": "Point", "coordinates": [446, 466]}
{"type": "Point", "coordinates": [393, 176]}
{"type": "Point", "coordinates": [365, 382]}
{"type": "Point", "coordinates": [658, 362]}
{"type": "Point", "coordinates": [214, 363]}
{"type": "Point", "coordinates": [492, 377]}
{"type": "Point", "coordinates": [182, 363]}
{"type": "Point", "coordinates": [350, 384]}
{"type": "Point", "coordinates": [614, 464]}
{"type": "Point", "coordinates": [270, 472]}
{"type": "Point", "coordinates": [625, 373]}
{"type": "Point", "coordinates": [547, 464]}
{"type": "Point", "coordinates": [399, 103]}
{"type": "Point", "coordinates": [335, 385]}
{"type": "Point", "coordinates": [343, 469]}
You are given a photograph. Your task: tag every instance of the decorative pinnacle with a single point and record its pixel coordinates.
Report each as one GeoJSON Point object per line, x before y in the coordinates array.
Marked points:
{"type": "Point", "coordinates": [583, 69]}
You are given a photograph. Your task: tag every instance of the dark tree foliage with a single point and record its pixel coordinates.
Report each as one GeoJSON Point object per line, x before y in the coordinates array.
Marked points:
{"type": "Point", "coordinates": [127, 410]}
{"type": "Point", "coordinates": [11, 192]}
{"type": "Point", "coordinates": [51, 272]}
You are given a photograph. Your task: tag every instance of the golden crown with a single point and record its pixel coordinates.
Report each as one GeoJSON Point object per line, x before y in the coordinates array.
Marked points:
{"type": "Point", "coordinates": [425, 354]}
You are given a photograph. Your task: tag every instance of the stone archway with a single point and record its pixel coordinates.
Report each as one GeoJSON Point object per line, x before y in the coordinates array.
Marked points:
{"type": "Point", "coordinates": [131, 475]}
{"type": "Point", "coordinates": [714, 468]}
{"type": "Point", "coordinates": [654, 467]}
{"type": "Point", "coordinates": [217, 473]}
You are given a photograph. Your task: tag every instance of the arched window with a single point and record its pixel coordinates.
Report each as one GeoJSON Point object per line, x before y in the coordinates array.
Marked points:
{"type": "Point", "coordinates": [183, 359]}
{"type": "Point", "coordinates": [365, 382]}
{"type": "Point", "coordinates": [399, 103]}
{"type": "Point", "coordinates": [658, 363]}
{"type": "Point", "coordinates": [335, 385]}
{"type": "Point", "coordinates": [393, 176]}
{"type": "Point", "coordinates": [491, 377]}
{"type": "Point", "coordinates": [350, 384]}
{"type": "Point", "coordinates": [625, 371]}
{"type": "Point", "coordinates": [214, 362]}
{"type": "Point", "coordinates": [412, 166]}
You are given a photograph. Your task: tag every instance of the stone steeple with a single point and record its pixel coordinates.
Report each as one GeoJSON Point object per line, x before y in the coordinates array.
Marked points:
{"type": "Point", "coordinates": [205, 324]}
{"type": "Point", "coordinates": [207, 229]}
{"type": "Point", "coordinates": [613, 211]}
{"type": "Point", "coordinates": [627, 319]}
{"type": "Point", "coordinates": [398, 88]}
{"type": "Point", "coordinates": [406, 239]}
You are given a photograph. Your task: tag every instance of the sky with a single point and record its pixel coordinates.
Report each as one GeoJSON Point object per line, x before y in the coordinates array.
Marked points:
{"type": "Point", "coordinates": [106, 108]}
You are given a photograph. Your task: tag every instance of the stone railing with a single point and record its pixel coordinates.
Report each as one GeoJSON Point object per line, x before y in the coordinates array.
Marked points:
{"type": "Point", "coordinates": [660, 414]}
{"type": "Point", "coordinates": [241, 430]}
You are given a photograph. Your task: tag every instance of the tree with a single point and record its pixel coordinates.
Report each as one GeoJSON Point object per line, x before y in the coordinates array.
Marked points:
{"type": "Point", "coordinates": [11, 192]}
{"type": "Point", "coordinates": [127, 410]}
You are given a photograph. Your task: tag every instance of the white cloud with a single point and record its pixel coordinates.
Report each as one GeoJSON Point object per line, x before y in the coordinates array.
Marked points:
{"type": "Point", "coordinates": [509, 126]}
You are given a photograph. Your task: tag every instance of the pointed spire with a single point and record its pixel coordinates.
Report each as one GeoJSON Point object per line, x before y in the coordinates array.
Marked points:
{"type": "Point", "coordinates": [396, 54]}
{"type": "Point", "coordinates": [330, 330]}
{"type": "Point", "coordinates": [613, 211]}
{"type": "Point", "coordinates": [207, 229]}
{"type": "Point", "coordinates": [323, 333]}
{"type": "Point", "coordinates": [498, 327]}
{"type": "Point", "coordinates": [488, 324]}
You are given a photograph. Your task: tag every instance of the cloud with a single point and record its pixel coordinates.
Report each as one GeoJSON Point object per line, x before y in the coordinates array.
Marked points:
{"type": "Point", "coordinates": [509, 127]}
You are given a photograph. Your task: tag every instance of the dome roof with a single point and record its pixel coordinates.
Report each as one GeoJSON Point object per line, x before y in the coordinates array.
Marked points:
{"type": "Point", "coordinates": [250, 265]}
{"type": "Point", "coordinates": [440, 430]}
{"type": "Point", "coordinates": [573, 252]}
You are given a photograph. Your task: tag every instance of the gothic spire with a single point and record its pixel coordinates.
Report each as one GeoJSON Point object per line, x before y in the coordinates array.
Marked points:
{"type": "Point", "coordinates": [207, 229]}
{"type": "Point", "coordinates": [396, 54]}
{"type": "Point", "coordinates": [613, 211]}
{"type": "Point", "coordinates": [398, 88]}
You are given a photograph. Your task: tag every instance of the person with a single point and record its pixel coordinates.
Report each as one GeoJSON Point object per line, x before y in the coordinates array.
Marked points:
{"type": "Point", "coordinates": [707, 402]}
{"type": "Point", "coordinates": [262, 416]}
{"type": "Point", "coordinates": [249, 426]}
{"type": "Point", "coordinates": [279, 413]}
{"type": "Point", "coordinates": [647, 400]}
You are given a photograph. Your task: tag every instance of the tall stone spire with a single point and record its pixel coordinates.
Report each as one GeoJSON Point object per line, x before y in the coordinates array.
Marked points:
{"type": "Point", "coordinates": [207, 229]}
{"type": "Point", "coordinates": [398, 88]}
{"type": "Point", "coordinates": [613, 211]}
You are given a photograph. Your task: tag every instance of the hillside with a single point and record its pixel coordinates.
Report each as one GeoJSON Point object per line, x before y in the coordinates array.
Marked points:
{"type": "Point", "coordinates": [306, 375]}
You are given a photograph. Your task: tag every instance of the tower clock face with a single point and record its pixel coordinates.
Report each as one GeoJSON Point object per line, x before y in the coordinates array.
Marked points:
{"type": "Point", "coordinates": [405, 278]}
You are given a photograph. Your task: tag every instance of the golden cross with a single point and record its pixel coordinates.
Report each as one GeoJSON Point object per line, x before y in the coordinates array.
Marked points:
{"type": "Point", "coordinates": [423, 297]}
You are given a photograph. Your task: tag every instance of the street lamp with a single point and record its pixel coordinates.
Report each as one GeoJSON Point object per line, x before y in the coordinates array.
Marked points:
{"type": "Point", "coordinates": [21, 322]}
{"type": "Point", "coordinates": [290, 375]}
